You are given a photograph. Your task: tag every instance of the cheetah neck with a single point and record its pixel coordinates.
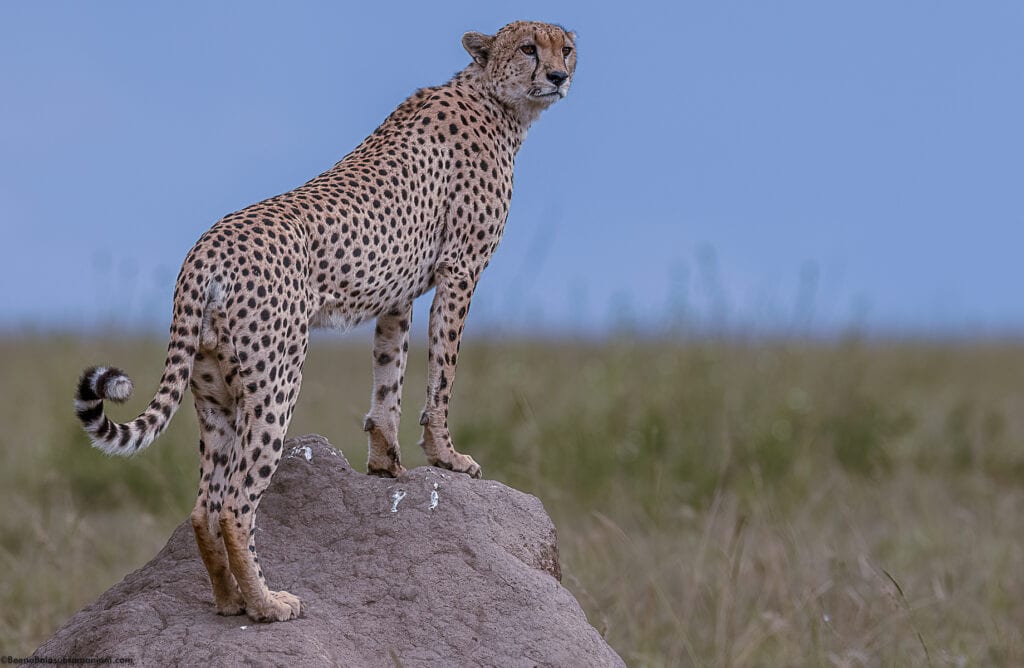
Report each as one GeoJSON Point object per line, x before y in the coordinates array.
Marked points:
{"type": "Point", "coordinates": [519, 117]}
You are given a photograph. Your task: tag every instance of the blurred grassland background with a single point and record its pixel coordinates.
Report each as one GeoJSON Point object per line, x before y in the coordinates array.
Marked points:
{"type": "Point", "coordinates": [719, 502]}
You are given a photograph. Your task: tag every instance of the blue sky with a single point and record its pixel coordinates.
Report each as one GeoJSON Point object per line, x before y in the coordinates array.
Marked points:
{"type": "Point", "coordinates": [756, 164]}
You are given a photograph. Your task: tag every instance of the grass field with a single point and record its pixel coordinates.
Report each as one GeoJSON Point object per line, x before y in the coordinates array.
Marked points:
{"type": "Point", "coordinates": [721, 504]}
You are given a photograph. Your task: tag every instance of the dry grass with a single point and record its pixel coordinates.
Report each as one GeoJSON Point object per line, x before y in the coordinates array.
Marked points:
{"type": "Point", "coordinates": [733, 504]}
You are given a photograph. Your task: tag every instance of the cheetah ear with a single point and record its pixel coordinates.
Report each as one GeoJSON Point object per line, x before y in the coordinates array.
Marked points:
{"type": "Point", "coordinates": [478, 45]}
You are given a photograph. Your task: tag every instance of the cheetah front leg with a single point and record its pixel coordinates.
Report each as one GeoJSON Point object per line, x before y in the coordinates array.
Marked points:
{"type": "Point", "coordinates": [447, 318]}
{"type": "Point", "coordinates": [390, 350]}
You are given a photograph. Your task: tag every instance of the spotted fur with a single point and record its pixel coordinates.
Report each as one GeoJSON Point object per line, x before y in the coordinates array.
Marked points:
{"type": "Point", "coordinates": [421, 203]}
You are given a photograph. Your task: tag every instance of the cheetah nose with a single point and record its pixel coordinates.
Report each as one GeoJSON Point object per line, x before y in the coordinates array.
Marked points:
{"type": "Point", "coordinates": [558, 77]}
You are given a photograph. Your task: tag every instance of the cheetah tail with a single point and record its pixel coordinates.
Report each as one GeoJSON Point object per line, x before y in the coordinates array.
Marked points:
{"type": "Point", "coordinates": [102, 382]}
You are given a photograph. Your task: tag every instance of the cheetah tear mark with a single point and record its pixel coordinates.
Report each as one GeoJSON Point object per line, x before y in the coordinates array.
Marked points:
{"type": "Point", "coordinates": [396, 498]}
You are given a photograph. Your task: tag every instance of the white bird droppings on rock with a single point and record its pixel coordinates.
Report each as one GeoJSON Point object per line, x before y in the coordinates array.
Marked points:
{"type": "Point", "coordinates": [433, 497]}
{"type": "Point", "coordinates": [306, 451]}
{"type": "Point", "coordinates": [396, 498]}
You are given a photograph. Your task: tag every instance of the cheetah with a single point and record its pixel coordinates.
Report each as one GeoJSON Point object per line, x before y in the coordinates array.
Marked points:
{"type": "Point", "coordinates": [421, 203]}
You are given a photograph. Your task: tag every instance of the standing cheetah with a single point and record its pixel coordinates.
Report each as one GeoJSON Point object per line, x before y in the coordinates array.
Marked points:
{"type": "Point", "coordinates": [420, 203]}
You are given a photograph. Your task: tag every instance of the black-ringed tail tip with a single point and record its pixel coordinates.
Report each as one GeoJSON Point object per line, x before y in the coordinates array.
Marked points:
{"type": "Point", "coordinates": [99, 383]}
{"type": "Point", "coordinates": [102, 382]}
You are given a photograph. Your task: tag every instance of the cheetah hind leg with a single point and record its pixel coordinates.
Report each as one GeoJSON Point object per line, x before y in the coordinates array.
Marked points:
{"type": "Point", "coordinates": [237, 525]}
{"type": "Point", "coordinates": [262, 604]}
{"type": "Point", "coordinates": [250, 474]}
{"type": "Point", "coordinates": [226, 595]}
{"type": "Point", "coordinates": [217, 433]}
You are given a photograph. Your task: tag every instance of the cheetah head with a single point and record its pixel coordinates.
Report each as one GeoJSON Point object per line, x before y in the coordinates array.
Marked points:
{"type": "Point", "coordinates": [526, 65]}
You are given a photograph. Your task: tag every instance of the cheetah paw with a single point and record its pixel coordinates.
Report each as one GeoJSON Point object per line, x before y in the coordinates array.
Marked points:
{"type": "Point", "coordinates": [460, 464]}
{"type": "Point", "coordinates": [279, 606]}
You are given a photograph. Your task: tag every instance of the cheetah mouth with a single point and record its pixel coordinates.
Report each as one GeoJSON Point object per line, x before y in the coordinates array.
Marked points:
{"type": "Point", "coordinates": [557, 93]}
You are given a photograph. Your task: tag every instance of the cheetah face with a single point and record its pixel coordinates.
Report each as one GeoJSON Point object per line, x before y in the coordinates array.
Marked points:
{"type": "Point", "coordinates": [527, 65]}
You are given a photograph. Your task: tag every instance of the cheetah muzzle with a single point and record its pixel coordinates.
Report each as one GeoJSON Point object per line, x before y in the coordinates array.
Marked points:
{"type": "Point", "coordinates": [421, 203]}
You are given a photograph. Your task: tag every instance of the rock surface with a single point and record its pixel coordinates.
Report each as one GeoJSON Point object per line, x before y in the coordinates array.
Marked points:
{"type": "Point", "coordinates": [452, 572]}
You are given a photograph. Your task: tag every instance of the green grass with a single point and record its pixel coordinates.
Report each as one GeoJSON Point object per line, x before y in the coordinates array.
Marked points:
{"type": "Point", "coordinates": [735, 504]}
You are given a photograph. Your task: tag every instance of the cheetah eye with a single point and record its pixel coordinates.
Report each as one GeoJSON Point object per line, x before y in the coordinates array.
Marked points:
{"type": "Point", "coordinates": [529, 49]}
{"type": "Point", "coordinates": [566, 50]}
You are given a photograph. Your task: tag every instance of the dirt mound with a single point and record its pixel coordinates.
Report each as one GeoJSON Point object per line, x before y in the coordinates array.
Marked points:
{"type": "Point", "coordinates": [432, 569]}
